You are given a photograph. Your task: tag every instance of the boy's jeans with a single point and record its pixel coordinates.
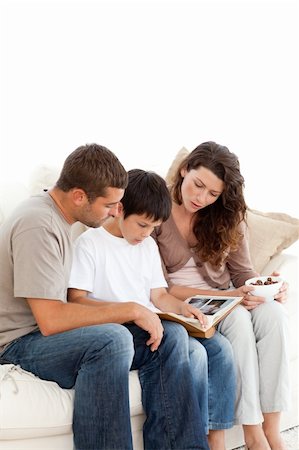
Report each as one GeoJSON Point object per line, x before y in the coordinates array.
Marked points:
{"type": "Point", "coordinates": [216, 386]}
{"type": "Point", "coordinates": [96, 360]}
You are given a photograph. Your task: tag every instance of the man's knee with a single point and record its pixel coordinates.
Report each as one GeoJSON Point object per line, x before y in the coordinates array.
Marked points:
{"type": "Point", "coordinates": [112, 339]}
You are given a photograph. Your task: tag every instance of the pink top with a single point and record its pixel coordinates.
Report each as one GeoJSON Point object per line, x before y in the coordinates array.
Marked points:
{"type": "Point", "coordinates": [189, 276]}
{"type": "Point", "coordinates": [175, 254]}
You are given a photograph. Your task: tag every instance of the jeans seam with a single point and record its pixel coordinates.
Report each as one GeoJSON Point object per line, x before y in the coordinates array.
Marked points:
{"type": "Point", "coordinates": [166, 405]}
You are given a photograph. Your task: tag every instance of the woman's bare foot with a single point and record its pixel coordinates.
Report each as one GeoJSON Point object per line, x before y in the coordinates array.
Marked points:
{"type": "Point", "coordinates": [255, 438]}
{"type": "Point", "coordinates": [216, 440]}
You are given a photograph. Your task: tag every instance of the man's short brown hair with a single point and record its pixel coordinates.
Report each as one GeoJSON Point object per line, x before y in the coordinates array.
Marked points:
{"type": "Point", "coordinates": [92, 168]}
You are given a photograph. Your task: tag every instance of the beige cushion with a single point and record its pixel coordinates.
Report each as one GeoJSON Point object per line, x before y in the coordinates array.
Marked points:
{"type": "Point", "coordinates": [269, 233]}
{"type": "Point", "coordinates": [32, 407]}
{"type": "Point", "coordinates": [175, 164]}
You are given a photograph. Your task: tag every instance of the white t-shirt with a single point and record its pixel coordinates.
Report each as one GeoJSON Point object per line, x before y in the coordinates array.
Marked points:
{"type": "Point", "coordinates": [111, 269]}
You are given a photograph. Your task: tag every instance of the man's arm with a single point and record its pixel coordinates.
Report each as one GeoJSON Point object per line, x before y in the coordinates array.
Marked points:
{"type": "Point", "coordinates": [53, 316]}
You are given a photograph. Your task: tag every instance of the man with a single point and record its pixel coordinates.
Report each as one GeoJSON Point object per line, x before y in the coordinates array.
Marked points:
{"type": "Point", "coordinates": [81, 344]}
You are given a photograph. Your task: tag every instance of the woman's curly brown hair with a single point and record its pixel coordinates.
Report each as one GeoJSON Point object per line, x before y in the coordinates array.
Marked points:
{"type": "Point", "coordinates": [215, 226]}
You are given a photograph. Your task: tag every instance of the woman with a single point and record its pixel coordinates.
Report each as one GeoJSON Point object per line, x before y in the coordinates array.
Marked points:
{"type": "Point", "coordinates": [204, 247]}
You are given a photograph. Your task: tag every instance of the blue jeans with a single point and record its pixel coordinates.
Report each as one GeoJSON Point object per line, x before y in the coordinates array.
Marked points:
{"type": "Point", "coordinates": [96, 361]}
{"type": "Point", "coordinates": [214, 376]}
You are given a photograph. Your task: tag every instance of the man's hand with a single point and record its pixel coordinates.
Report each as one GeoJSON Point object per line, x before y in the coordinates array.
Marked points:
{"type": "Point", "coordinates": [150, 322]}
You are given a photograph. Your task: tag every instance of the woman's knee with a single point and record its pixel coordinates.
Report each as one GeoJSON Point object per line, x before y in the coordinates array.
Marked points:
{"type": "Point", "coordinates": [269, 316]}
{"type": "Point", "coordinates": [238, 322]}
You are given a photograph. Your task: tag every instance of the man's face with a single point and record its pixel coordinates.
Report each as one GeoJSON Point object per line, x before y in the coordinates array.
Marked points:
{"type": "Point", "coordinates": [135, 228]}
{"type": "Point", "coordinates": [94, 214]}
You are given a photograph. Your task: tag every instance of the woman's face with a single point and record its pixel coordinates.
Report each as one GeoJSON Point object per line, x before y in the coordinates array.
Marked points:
{"type": "Point", "coordinates": [200, 188]}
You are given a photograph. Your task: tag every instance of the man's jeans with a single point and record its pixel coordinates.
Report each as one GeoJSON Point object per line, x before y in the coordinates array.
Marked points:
{"type": "Point", "coordinates": [96, 360]}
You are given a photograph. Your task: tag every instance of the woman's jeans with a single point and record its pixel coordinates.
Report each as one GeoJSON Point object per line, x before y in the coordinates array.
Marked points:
{"type": "Point", "coordinates": [96, 360]}
{"type": "Point", "coordinates": [214, 373]}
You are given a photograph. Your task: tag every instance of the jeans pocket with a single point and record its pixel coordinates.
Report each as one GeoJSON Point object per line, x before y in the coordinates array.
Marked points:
{"type": "Point", "coordinates": [6, 348]}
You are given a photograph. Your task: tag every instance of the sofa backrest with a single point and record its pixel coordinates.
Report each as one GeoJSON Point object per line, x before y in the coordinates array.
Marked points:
{"type": "Point", "coordinates": [269, 233]}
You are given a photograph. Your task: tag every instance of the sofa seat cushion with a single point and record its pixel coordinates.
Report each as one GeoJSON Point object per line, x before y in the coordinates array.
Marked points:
{"type": "Point", "coordinates": [31, 407]}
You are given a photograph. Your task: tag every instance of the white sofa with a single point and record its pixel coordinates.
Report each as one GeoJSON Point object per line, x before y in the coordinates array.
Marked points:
{"type": "Point", "coordinates": [37, 414]}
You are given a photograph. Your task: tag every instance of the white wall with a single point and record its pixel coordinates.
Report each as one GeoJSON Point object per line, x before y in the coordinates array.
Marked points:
{"type": "Point", "coordinates": [145, 78]}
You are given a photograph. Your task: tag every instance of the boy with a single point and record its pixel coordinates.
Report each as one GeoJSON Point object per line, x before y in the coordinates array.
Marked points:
{"type": "Point", "coordinates": [120, 262]}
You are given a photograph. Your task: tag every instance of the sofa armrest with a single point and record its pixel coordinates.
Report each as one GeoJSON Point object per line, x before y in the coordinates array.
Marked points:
{"type": "Point", "coordinates": [286, 263]}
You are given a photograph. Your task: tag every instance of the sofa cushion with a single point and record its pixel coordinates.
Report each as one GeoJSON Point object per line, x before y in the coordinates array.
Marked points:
{"type": "Point", "coordinates": [175, 164]}
{"type": "Point", "coordinates": [31, 407]}
{"type": "Point", "coordinates": [269, 233]}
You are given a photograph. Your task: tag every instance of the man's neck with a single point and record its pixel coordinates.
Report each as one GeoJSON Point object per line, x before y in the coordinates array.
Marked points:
{"type": "Point", "coordinates": [60, 200]}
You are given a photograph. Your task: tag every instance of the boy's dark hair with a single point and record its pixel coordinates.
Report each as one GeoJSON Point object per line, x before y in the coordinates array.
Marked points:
{"type": "Point", "coordinates": [92, 168]}
{"type": "Point", "coordinates": [148, 194]}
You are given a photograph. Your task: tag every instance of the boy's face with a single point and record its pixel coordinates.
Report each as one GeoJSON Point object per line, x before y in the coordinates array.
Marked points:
{"type": "Point", "coordinates": [135, 228]}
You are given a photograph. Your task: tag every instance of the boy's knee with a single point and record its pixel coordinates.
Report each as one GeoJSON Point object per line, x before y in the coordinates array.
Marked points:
{"type": "Point", "coordinates": [174, 331]}
{"type": "Point", "coordinates": [176, 340]}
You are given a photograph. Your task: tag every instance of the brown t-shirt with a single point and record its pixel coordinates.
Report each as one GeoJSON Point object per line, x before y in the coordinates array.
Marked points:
{"type": "Point", "coordinates": [35, 255]}
{"type": "Point", "coordinates": [175, 253]}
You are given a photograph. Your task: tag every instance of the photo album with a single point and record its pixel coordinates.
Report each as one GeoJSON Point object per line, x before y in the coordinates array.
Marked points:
{"type": "Point", "coordinates": [214, 307]}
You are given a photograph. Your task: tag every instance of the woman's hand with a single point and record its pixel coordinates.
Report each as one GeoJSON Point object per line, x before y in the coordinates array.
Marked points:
{"type": "Point", "coordinates": [249, 301]}
{"type": "Point", "coordinates": [189, 311]}
{"type": "Point", "coordinates": [282, 295]}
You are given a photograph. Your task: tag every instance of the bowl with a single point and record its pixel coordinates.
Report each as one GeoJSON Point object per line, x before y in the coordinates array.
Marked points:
{"type": "Point", "coordinates": [268, 290]}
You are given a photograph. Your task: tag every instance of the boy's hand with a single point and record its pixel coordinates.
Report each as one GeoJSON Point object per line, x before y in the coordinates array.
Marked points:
{"type": "Point", "coordinates": [150, 322]}
{"type": "Point", "coordinates": [189, 311]}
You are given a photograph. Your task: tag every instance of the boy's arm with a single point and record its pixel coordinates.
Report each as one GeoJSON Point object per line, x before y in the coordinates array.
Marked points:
{"type": "Point", "coordinates": [168, 303]}
{"type": "Point", "coordinates": [80, 297]}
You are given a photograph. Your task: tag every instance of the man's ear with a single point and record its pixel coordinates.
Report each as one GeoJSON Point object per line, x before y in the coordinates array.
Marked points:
{"type": "Point", "coordinates": [120, 209]}
{"type": "Point", "coordinates": [79, 196]}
